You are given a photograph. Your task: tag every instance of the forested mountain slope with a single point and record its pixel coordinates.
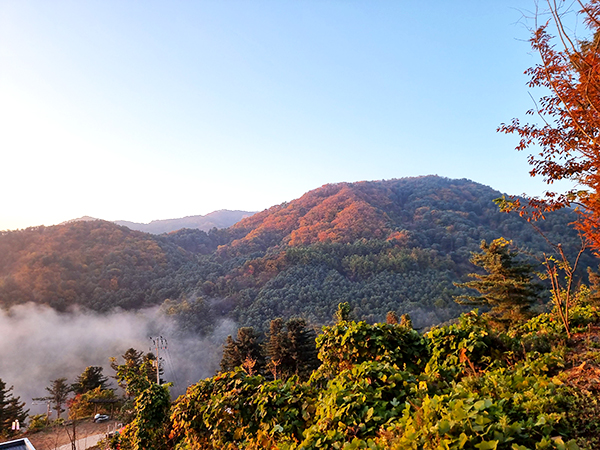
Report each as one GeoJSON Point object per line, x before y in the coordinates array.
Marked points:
{"type": "Point", "coordinates": [381, 245]}
{"type": "Point", "coordinates": [95, 264]}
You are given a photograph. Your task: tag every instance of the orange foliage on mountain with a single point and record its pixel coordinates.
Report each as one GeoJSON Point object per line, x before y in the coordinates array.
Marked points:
{"type": "Point", "coordinates": [342, 213]}
{"type": "Point", "coordinates": [72, 263]}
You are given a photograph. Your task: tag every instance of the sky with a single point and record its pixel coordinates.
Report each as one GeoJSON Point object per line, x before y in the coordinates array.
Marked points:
{"type": "Point", "coordinates": [146, 110]}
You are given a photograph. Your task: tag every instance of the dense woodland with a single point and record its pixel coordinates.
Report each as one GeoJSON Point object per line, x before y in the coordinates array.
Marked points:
{"type": "Point", "coordinates": [397, 244]}
{"type": "Point", "coordinates": [376, 263]}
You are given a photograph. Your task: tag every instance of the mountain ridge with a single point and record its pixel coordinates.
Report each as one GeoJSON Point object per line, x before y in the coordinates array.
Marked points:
{"type": "Point", "coordinates": [379, 245]}
{"type": "Point", "coordinates": [222, 218]}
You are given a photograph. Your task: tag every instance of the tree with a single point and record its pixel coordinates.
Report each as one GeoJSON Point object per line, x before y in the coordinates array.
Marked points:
{"type": "Point", "coordinates": [244, 351]}
{"type": "Point", "coordinates": [346, 344]}
{"type": "Point", "coordinates": [137, 373]}
{"type": "Point", "coordinates": [506, 286]}
{"type": "Point", "coordinates": [276, 349]}
{"type": "Point", "coordinates": [11, 409]}
{"type": "Point", "coordinates": [343, 312]}
{"type": "Point", "coordinates": [149, 428]}
{"type": "Point", "coordinates": [391, 318]}
{"type": "Point", "coordinates": [90, 379]}
{"type": "Point", "coordinates": [567, 144]}
{"type": "Point", "coordinates": [291, 351]}
{"type": "Point", "coordinates": [94, 401]}
{"type": "Point", "coordinates": [59, 391]}
{"type": "Point", "coordinates": [561, 274]}
{"type": "Point", "coordinates": [302, 349]}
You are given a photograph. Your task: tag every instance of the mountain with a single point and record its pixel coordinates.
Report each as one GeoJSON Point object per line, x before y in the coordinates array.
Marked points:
{"type": "Point", "coordinates": [79, 219]}
{"type": "Point", "coordinates": [94, 264]}
{"type": "Point", "coordinates": [379, 245]}
{"type": "Point", "coordinates": [217, 219]}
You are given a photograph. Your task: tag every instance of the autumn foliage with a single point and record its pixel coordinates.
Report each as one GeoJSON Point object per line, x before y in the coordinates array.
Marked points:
{"type": "Point", "coordinates": [566, 145]}
{"type": "Point", "coordinates": [341, 212]}
{"type": "Point", "coordinates": [95, 264]}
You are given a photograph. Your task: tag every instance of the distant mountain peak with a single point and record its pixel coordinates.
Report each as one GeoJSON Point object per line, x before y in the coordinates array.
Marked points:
{"type": "Point", "coordinates": [80, 219]}
{"type": "Point", "coordinates": [223, 218]}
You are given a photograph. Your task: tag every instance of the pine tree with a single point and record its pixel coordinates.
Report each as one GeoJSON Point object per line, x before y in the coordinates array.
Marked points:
{"type": "Point", "coordinates": [137, 372]}
{"type": "Point", "coordinates": [246, 348]}
{"type": "Point", "coordinates": [506, 287]}
{"type": "Point", "coordinates": [302, 348]}
{"type": "Point", "coordinates": [291, 351]}
{"type": "Point", "coordinates": [90, 379]}
{"type": "Point", "coordinates": [59, 391]}
{"type": "Point", "coordinates": [11, 409]}
{"type": "Point", "coordinates": [276, 349]}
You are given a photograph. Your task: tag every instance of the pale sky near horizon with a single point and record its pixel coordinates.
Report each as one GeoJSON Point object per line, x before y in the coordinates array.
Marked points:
{"type": "Point", "coordinates": [131, 110]}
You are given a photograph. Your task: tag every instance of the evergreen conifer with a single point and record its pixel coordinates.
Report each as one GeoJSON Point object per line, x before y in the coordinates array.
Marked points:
{"type": "Point", "coordinates": [506, 287]}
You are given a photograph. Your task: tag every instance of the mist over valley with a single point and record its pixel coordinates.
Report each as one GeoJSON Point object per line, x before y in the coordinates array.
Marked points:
{"type": "Point", "coordinates": [39, 344]}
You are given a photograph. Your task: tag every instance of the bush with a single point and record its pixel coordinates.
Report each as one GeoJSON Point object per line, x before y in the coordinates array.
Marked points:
{"type": "Point", "coordinates": [358, 401]}
{"type": "Point", "coordinates": [95, 401]}
{"type": "Point", "coordinates": [37, 422]}
{"type": "Point", "coordinates": [462, 348]}
{"type": "Point", "coordinates": [349, 343]}
{"type": "Point", "coordinates": [499, 409]}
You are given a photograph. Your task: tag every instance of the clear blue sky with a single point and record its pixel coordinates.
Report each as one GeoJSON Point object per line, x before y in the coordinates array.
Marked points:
{"type": "Point", "coordinates": [142, 110]}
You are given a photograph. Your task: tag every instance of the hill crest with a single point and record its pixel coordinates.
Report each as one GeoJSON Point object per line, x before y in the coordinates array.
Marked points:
{"type": "Point", "coordinates": [346, 212]}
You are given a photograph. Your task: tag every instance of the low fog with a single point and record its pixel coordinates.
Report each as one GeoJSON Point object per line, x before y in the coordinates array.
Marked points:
{"type": "Point", "coordinates": [38, 344]}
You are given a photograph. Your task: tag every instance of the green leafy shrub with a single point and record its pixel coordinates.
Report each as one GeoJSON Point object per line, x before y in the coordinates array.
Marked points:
{"type": "Point", "coordinates": [283, 409]}
{"type": "Point", "coordinates": [37, 422]}
{"type": "Point", "coordinates": [542, 323]}
{"type": "Point", "coordinates": [499, 409]}
{"type": "Point", "coordinates": [583, 414]}
{"type": "Point", "coordinates": [245, 411]}
{"type": "Point", "coordinates": [148, 430]}
{"type": "Point", "coordinates": [461, 348]}
{"type": "Point", "coordinates": [582, 315]}
{"type": "Point", "coordinates": [214, 410]}
{"type": "Point", "coordinates": [348, 343]}
{"type": "Point", "coordinates": [384, 386]}
{"type": "Point", "coordinates": [357, 402]}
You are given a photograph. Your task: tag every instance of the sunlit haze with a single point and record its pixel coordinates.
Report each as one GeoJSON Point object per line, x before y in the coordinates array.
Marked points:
{"type": "Point", "coordinates": [126, 110]}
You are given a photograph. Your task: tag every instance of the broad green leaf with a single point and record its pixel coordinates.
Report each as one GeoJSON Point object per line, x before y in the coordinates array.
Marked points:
{"type": "Point", "coordinates": [487, 445]}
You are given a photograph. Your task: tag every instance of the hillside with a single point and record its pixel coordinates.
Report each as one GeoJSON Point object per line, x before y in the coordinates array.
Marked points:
{"type": "Point", "coordinates": [95, 264]}
{"type": "Point", "coordinates": [381, 245]}
{"type": "Point", "coordinates": [217, 219]}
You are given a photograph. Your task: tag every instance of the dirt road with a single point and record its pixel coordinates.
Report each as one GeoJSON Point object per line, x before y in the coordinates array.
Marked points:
{"type": "Point", "coordinates": [57, 438]}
